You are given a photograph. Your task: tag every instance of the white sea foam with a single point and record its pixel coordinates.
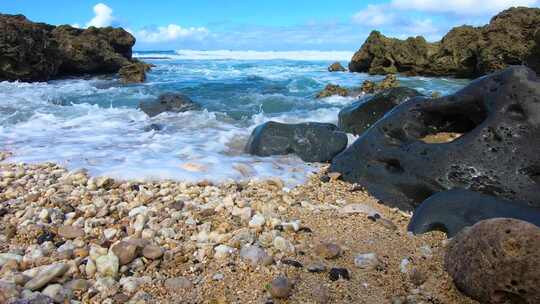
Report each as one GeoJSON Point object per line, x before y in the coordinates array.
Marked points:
{"type": "Point", "coordinates": [252, 55]}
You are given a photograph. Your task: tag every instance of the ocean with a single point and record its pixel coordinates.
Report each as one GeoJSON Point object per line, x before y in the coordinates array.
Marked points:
{"type": "Point", "coordinates": [95, 123]}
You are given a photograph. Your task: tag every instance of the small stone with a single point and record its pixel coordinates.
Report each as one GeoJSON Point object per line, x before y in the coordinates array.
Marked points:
{"type": "Point", "coordinates": [320, 294]}
{"type": "Point", "coordinates": [339, 273]}
{"type": "Point", "coordinates": [152, 252]}
{"type": "Point", "coordinates": [125, 251]}
{"type": "Point", "coordinates": [367, 261]}
{"type": "Point", "coordinates": [106, 286]}
{"type": "Point", "coordinates": [417, 277]}
{"type": "Point", "coordinates": [328, 250]}
{"type": "Point", "coordinates": [107, 265]}
{"type": "Point", "coordinates": [57, 293]}
{"type": "Point", "coordinates": [334, 176]}
{"type": "Point", "coordinates": [6, 257]}
{"type": "Point", "coordinates": [110, 233]}
{"type": "Point", "coordinates": [316, 268]}
{"type": "Point", "coordinates": [280, 288]}
{"type": "Point", "coordinates": [78, 285]}
{"type": "Point", "coordinates": [359, 208]}
{"type": "Point", "coordinates": [45, 275]}
{"type": "Point", "coordinates": [292, 263]}
{"type": "Point", "coordinates": [257, 222]}
{"type": "Point", "coordinates": [218, 277]}
{"type": "Point", "coordinates": [175, 284]}
{"type": "Point", "coordinates": [388, 224]}
{"type": "Point", "coordinates": [178, 205]}
{"type": "Point", "coordinates": [283, 245]}
{"type": "Point", "coordinates": [404, 265]}
{"type": "Point", "coordinates": [90, 268]}
{"type": "Point", "coordinates": [255, 255]}
{"type": "Point", "coordinates": [222, 252]}
{"type": "Point", "coordinates": [70, 232]}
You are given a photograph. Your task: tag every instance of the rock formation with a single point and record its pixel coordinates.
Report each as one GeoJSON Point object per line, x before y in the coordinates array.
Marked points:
{"type": "Point", "coordinates": [497, 261]}
{"type": "Point", "coordinates": [134, 72]}
{"type": "Point", "coordinates": [169, 102]}
{"type": "Point", "coordinates": [451, 211]}
{"type": "Point", "coordinates": [511, 38]}
{"type": "Point", "coordinates": [336, 67]}
{"type": "Point", "coordinates": [370, 87]}
{"type": "Point", "coordinates": [332, 90]}
{"type": "Point", "coordinates": [499, 117]}
{"type": "Point", "coordinates": [38, 52]}
{"type": "Point", "coordinates": [312, 142]}
{"type": "Point", "coordinates": [361, 115]}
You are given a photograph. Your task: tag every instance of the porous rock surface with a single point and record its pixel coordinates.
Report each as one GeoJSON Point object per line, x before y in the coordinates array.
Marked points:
{"type": "Point", "coordinates": [510, 38]}
{"type": "Point", "coordinates": [169, 102]}
{"type": "Point", "coordinates": [312, 142]}
{"type": "Point", "coordinates": [499, 117]}
{"type": "Point", "coordinates": [497, 261]}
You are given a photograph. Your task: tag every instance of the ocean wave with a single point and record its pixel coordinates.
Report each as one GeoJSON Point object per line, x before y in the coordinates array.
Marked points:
{"type": "Point", "coordinates": [250, 55]}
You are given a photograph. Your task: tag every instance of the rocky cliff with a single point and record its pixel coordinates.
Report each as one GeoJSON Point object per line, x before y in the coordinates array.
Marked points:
{"type": "Point", "coordinates": [38, 52]}
{"type": "Point", "coordinates": [511, 38]}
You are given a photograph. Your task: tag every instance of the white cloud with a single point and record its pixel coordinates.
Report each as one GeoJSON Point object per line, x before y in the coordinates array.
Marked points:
{"type": "Point", "coordinates": [461, 7]}
{"type": "Point", "coordinates": [103, 16]}
{"type": "Point", "coordinates": [374, 15]}
{"type": "Point", "coordinates": [172, 32]}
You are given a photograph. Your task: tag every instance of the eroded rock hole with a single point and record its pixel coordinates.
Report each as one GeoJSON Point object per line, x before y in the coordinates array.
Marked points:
{"type": "Point", "coordinates": [393, 165]}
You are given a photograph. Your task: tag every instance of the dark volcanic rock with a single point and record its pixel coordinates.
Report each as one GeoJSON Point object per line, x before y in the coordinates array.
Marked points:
{"type": "Point", "coordinates": [93, 50]}
{"type": "Point", "coordinates": [134, 72]}
{"type": "Point", "coordinates": [169, 102]}
{"type": "Point", "coordinates": [336, 67]}
{"type": "Point", "coordinates": [26, 51]}
{"type": "Point", "coordinates": [331, 90]}
{"type": "Point", "coordinates": [453, 210]}
{"type": "Point", "coordinates": [509, 39]}
{"type": "Point", "coordinates": [361, 115]}
{"type": "Point", "coordinates": [499, 117]}
{"type": "Point", "coordinates": [38, 52]}
{"type": "Point", "coordinates": [497, 261]}
{"type": "Point", "coordinates": [312, 142]}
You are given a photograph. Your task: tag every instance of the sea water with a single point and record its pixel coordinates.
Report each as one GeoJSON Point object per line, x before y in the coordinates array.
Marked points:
{"type": "Point", "coordinates": [95, 123]}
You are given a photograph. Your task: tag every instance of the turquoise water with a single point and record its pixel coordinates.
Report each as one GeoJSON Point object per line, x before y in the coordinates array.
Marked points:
{"type": "Point", "coordinates": [94, 123]}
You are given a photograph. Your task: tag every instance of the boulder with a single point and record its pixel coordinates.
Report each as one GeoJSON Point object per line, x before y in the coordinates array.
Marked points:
{"type": "Point", "coordinates": [370, 87]}
{"type": "Point", "coordinates": [134, 72]}
{"type": "Point", "coordinates": [92, 50]}
{"type": "Point", "coordinates": [497, 261]}
{"type": "Point", "coordinates": [312, 142]}
{"type": "Point", "coordinates": [497, 154]}
{"type": "Point", "coordinates": [336, 67]}
{"type": "Point", "coordinates": [333, 90]}
{"type": "Point", "coordinates": [27, 52]}
{"type": "Point", "coordinates": [451, 211]}
{"type": "Point", "coordinates": [509, 39]}
{"type": "Point", "coordinates": [361, 115]}
{"type": "Point", "coordinates": [169, 102]}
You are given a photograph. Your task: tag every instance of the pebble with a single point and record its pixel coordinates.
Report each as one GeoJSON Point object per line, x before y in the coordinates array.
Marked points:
{"type": "Point", "coordinates": [57, 293]}
{"type": "Point", "coordinates": [257, 222]}
{"type": "Point", "coordinates": [280, 288]}
{"type": "Point", "coordinates": [106, 286]}
{"type": "Point", "coordinates": [320, 294]}
{"type": "Point", "coordinates": [174, 284]}
{"type": "Point", "coordinates": [222, 252]}
{"type": "Point", "coordinates": [6, 257]}
{"type": "Point", "coordinates": [404, 265]}
{"type": "Point", "coordinates": [327, 250]}
{"type": "Point", "coordinates": [125, 251]}
{"type": "Point", "coordinates": [218, 277]}
{"type": "Point", "coordinates": [78, 285]}
{"type": "Point", "coordinates": [316, 268]}
{"type": "Point", "coordinates": [70, 232]}
{"type": "Point", "coordinates": [339, 273]}
{"type": "Point", "coordinates": [388, 224]}
{"type": "Point", "coordinates": [45, 275]}
{"type": "Point", "coordinates": [107, 265]}
{"type": "Point", "coordinates": [359, 208]}
{"type": "Point", "coordinates": [283, 245]}
{"type": "Point", "coordinates": [255, 255]}
{"type": "Point", "coordinates": [152, 252]}
{"type": "Point", "coordinates": [292, 263]}
{"type": "Point", "coordinates": [367, 261]}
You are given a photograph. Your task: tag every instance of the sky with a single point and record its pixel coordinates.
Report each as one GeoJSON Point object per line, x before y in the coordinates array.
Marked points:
{"type": "Point", "coordinates": [264, 25]}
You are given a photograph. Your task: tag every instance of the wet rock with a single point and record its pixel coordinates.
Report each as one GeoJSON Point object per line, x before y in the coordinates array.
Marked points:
{"type": "Point", "coordinates": [169, 102]}
{"type": "Point", "coordinates": [367, 261]}
{"type": "Point", "coordinates": [492, 125]}
{"type": "Point", "coordinates": [451, 211]}
{"type": "Point", "coordinates": [333, 90]}
{"type": "Point", "coordinates": [327, 250]}
{"type": "Point", "coordinates": [497, 261]}
{"type": "Point", "coordinates": [134, 72]}
{"type": "Point", "coordinates": [509, 39]}
{"type": "Point", "coordinates": [280, 288]}
{"type": "Point", "coordinates": [361, 115]}
{"type": "Point", "coordinates": [339, 273]}
{"type": "Point", "coordinates": [45, 275]}
{"type": "Point", "coordinates": [389, 82]}
{"type": "Point", "coordinates": [336, 67]}
{"type": "Point", "coordinates": [70, 232]}
{"type": "Point", "coordinates": [312, 142]}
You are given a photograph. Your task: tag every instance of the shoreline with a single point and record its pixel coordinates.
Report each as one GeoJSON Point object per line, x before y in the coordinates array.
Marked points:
{"type": "Point", "coordinates": [189, 241]}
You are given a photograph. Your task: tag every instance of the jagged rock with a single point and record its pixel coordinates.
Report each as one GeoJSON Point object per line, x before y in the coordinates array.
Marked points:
{"type": "Point", "coordinates": [361, 115]}
{"type": "Point", "coordinates": [336, 67]}
{"type": "Point", "coordinates": [38, 52]}
{"type": "Point", "coordinates": [509, 39]}
{"type": "Point", "coordinates": [312, 142]}
{"type": "Point", "coordinates": [497, 261]}
{"type": "Point", "coordinates": [134, 72]}
{"type": "Point", "coordinates": [453, 210]}
{"type": "Point", "coordinates": [499, 117]}
{"type": "Point", "coordinates": [332, 90]}
{"type": "Point", "coordinates": [169, 102]}
{"type": "Point", "coordinates": [370, 87]}
{"type": "Point", "coordinates": [27, 52]}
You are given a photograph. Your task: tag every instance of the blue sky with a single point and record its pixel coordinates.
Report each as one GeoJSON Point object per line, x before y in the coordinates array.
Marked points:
{"type": "Point", "coordinates": [264, 25]}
